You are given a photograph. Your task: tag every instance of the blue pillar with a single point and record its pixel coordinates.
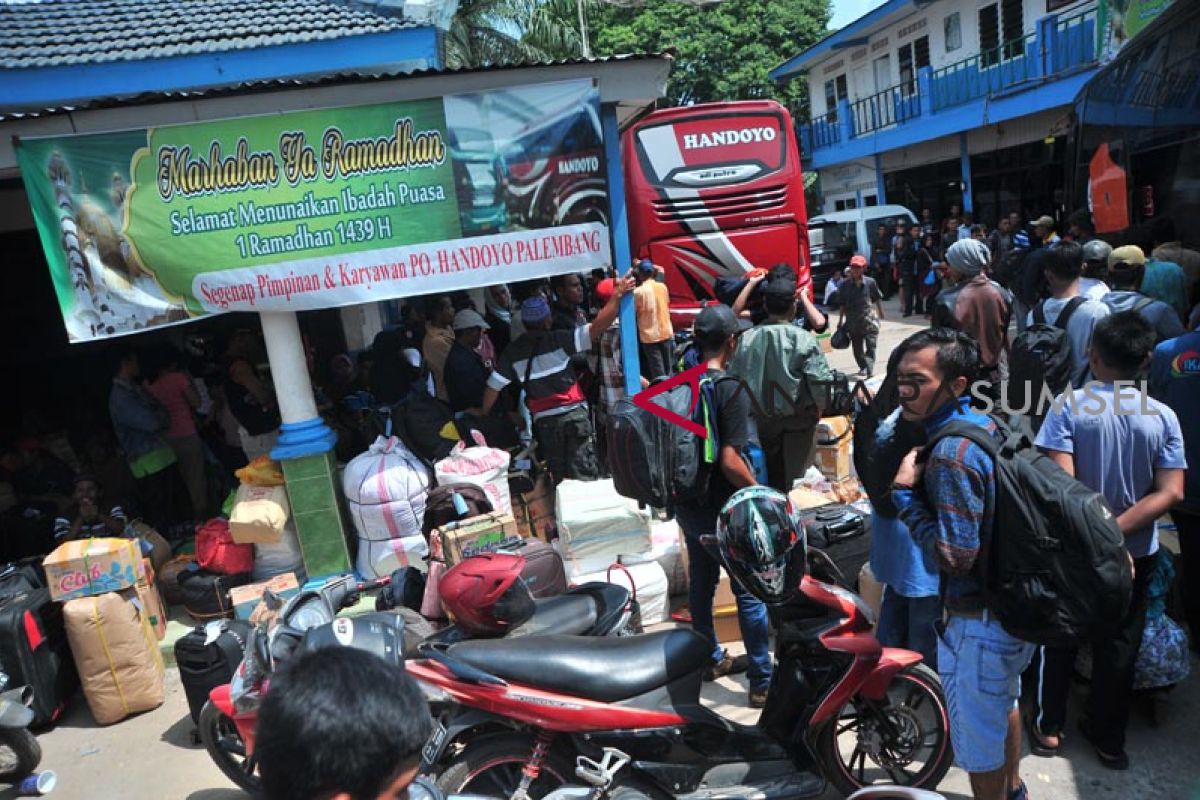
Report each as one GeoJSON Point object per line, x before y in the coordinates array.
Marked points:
{"type": "Point", "coordinates": [858, 203]}
{"type": "Point", "coordinates": [622, 257]}
{"type": "Point", "coordinates": [880, 184]}
{"type": "Point", "coordinates": [845, 121]}
{"type": "Point", "coordinates": [965, 153]}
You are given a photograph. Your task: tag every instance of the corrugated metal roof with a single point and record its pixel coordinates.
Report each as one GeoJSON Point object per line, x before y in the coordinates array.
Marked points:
{"type": "Point", "coordinates": [249, 87]}
{"type": "Point", "coordinates": [51, 33]}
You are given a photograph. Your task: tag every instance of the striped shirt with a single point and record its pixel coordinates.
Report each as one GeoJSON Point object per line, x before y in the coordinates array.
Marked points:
{"type": "Point", "coordinates": [553, 387]}
{"type": "Point", "coordinates": [62, 526]}
{"type": "Point", "coordinates": [952, 517]}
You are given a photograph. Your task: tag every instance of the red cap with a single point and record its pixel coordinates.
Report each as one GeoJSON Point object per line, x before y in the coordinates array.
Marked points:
{"type": "Point", "coordinates": [858, 261]}
{"type": "Point", "coordinates": [604, 290]}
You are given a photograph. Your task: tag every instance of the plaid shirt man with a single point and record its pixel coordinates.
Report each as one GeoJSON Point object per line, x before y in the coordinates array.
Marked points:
{"type": "Point", "coordinates": [606, 362]}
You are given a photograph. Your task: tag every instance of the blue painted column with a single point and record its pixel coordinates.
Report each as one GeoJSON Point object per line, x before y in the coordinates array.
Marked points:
{"type": "Point", "coordinates": [965, 155]}
{"type": "Point", "coordinates": [618, 223]}
{"type": "Point", "coordinates": [845, 121]}
{"type": "Point", "coordinates": [880, 183]}
{"type": "Point", "coordinates": [925, 91]}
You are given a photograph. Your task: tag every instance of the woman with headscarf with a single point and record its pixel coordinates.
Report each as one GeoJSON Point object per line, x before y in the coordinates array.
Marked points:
{"type": "Point", "coordinates": [977, 306]}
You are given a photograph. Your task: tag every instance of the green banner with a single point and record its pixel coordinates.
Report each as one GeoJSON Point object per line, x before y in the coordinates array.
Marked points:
{"type": "Point", "coordinates": [319, 208]}
{"type": "Point", "coordinates": [1120, 21]}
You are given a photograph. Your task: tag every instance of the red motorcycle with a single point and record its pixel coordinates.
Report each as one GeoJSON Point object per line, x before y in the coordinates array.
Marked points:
{"type": "Point", "coordinates": [309, 619]}
{"type": "Point", "coordinates": [840, 709]}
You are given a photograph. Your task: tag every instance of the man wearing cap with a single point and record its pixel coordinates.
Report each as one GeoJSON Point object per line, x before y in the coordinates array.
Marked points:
{"type": "Point", "coordinates": [1095, 269]}
{"type": "Point", "coordinates": [861, 311]}
{"type": "Point", "coordinates": [466, 372]}
{"type": "Point", "coordinates": [783, 367]}
{"type": "Point", "coordinates": [540, 361]}
{"type": "Point", "coordinates": [977, 306]}
{"type": "Point", "coordinates": [656, 336]}
{"type": "Point", "coordinates": [1043, 231]}
{"type": "Point", "coordinates": [717, 331]}
{"type": "Point", "coordinates": [1126, 267]}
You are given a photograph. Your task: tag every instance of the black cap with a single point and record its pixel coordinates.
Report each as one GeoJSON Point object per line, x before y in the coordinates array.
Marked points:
{"type": "Point", "coordinates": [715, 323]}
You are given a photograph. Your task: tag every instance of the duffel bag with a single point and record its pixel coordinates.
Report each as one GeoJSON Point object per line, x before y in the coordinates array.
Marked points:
{"type": "Point", "coordinates": [168, 579]}
{"type": "Point", "coordinates": [206, 594]}
{"type": "Point", "coordinates": [217, 552]}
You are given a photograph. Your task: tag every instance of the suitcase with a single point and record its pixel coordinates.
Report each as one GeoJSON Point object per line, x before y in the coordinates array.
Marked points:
{"type": "Point", "coordinates": [543, 573]}
{"type": "Point", "coordinates": [843, 533]}
{"type": "Point", "coordinates": [34, 651]}
{"type": "Point", "coordinates": [206, 594]}
{"type": "Point", "coordinates": [205, 665]}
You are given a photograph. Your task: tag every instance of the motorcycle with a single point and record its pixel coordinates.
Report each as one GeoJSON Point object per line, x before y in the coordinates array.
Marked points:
{"type": "Point", "coordinates": [840, 709]}
{"type": "Point", "coordinates": [20, 752]}
{"type": "Point", "coordinates": [228, 719]}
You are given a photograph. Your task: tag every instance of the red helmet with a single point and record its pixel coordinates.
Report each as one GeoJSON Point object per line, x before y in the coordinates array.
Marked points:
{"type": "Point", "coordinates": [484, 594]}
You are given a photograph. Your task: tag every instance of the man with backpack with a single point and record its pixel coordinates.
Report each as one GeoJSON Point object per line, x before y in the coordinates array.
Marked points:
{"type": "Point", "coordinates": [540, 361]}
{"type": "Point", "coordinates": [1130, 449]}
{"type": "Point", "coordinates": [717, 331]}
{"type": "Point", "coordinates": [1126, 267]}
{"type": "Point", "coordinates": [783, 367]}
{"type": "Point", "coordinates": [953, 518]}
{"type": "Point", "coordinates": [1066, 308]}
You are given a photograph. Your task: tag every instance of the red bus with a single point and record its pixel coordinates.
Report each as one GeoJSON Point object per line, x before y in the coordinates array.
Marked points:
{"type": "Point", "coordinates": [713, 191]}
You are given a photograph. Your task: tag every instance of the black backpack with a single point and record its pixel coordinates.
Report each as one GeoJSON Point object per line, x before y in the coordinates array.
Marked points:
{"type": "Point", "coordinates": [657, 462]}
{"type": "Point", "coordinates": [1041, 359]}
{"type": "Point", "coordinates": [1056, 571]}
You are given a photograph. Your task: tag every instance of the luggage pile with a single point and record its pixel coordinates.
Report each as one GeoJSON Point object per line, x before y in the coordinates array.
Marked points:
{"type": "Point", "coordinates": [113, 618]}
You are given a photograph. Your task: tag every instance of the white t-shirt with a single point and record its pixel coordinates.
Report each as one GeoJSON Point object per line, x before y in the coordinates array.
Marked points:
{"type": "Point", "coordinates": [1093, 289]}
{"type": "Point", "coordinates": [1079, 328]}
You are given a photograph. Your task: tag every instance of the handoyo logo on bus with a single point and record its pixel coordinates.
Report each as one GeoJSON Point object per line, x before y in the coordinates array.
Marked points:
{"type": "Point", "coordinates": [696, 141]}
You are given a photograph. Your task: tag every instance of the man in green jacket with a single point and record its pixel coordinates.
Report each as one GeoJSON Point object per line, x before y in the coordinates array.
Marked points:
{"type": "Point", "coordinates": [782, 366]}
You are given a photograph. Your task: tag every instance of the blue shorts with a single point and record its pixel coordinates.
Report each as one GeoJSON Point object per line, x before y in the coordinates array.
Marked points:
{"type": "Point", "coordinates": [980, 666]}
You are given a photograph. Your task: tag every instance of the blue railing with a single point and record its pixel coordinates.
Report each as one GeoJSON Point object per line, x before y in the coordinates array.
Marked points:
{"type": "Point", "coordinates": [1058, 46]}
{"type": "Point", "coordinates": [886, 108]}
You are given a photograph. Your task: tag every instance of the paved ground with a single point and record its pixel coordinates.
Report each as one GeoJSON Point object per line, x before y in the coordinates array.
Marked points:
{"type": "Point", "coordinates": [151, 756]}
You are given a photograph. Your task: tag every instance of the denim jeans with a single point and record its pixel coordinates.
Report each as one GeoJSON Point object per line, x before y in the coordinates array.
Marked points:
{"type": "Point", "coordinates": [908, 622]}
{"type": "Point", "coordinates": [704, 572]}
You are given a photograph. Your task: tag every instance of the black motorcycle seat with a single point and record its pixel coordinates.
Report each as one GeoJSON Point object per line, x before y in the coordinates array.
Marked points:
{"type": "Point", "coordinates": [565, 614]}
{"type": "Point", "coordinates": [603, 669]}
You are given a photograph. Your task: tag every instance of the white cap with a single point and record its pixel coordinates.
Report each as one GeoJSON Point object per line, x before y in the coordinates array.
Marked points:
{"type": "Point", "coordinates": [469, 319]}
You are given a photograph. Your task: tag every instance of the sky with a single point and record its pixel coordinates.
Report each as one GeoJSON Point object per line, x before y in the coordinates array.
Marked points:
{"type": "Point", "coordinates": [846, 11]}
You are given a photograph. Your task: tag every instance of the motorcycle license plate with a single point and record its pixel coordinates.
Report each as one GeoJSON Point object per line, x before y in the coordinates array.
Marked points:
{"type": "Point", "coordinates": [434, 744]}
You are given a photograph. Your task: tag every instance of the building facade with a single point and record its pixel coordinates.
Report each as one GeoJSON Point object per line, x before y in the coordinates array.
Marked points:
{"type": "Point", "coordinates": [932, 104]}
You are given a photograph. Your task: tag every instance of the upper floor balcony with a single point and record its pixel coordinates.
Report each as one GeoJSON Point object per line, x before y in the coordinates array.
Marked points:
{"type": "Point", "coordinates": [1058, 49]}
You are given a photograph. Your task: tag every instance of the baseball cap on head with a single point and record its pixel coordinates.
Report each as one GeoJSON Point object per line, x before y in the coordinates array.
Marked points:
{"type": "Point", "coordinates": [645, 265]}
{"type": "Point", "coordinates": [1044, 221]}
{"type": "Point", "coordinates": [858, 261]}
{"type": "Point", "coordinates": [535, 310]}
{"type": "Point", "coordinates": [1097, 250]}
{"type": "Point", "coordinates": [1130, 254]}
{"type": "Point", "coordinates": [604, 289]}
{"type": "Point", "coordinates": [716, 323]}
{"type": "Point", "coordinates": [467, 319]}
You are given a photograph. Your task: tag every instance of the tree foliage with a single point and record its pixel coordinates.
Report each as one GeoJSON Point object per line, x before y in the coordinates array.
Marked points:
{"type": "Point", "coordinates": [723, 50]}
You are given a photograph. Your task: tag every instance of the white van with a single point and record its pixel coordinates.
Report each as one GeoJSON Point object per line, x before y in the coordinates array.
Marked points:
{"type": "Point", "coordinates": [833, 238]}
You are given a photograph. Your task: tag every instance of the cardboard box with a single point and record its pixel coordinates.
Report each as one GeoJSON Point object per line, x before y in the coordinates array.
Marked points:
{"type": "Point", "coordinates": [724, 596]}
{"type": "Point", "coordinates": [534, 511]}
{"type": "Point", "coordinates": [259, 514]}
{"type": "Point", "coordinates": [725, 624]}
{"type": "Point", "coordinates": [486, 533]}
{"type": "Point", "coordinates": [89, 567]}
{"type": "Point", "coordinates": [246, 598]}
{"type": "Point", "coordinates": [834, 436]}
{"type": "Point", "coordinates": [806, 498]}
{"type": "Point", "coordinates": [152, 602]}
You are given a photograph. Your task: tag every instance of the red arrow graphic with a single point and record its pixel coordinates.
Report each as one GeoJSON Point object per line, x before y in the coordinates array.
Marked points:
{"type": "Point", "coordinates": [692, 378]}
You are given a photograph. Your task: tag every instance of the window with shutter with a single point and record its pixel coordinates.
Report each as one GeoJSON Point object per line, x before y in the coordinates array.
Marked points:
{"type": "Point", "coordinates": [1012, 20]}
{"type": "Point", "coordinates": [989, 35]}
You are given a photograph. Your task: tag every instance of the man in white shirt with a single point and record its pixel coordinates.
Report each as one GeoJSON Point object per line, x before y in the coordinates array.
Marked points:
{"type": "Point", "coordinates": [1064, 266]}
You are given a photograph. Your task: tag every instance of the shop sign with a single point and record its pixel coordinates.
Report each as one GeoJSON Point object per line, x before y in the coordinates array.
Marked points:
{"type": "Point", "coordinates": [320, 208]}
{"type": "Point", "coordinates": [1120, 21]}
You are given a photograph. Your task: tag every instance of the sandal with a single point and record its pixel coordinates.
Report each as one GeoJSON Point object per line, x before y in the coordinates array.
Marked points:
{"type": "Point", "coordinates": [1037, 745]}
{"type": "Point", "coordinates": [1118, 761]}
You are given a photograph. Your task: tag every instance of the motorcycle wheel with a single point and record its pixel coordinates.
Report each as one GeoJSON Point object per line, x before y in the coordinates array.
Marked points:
{"type": "Point", "coordinates": [856, 749]}
{"type": "Point", "coordinates": [492, 767]}
{"type": "Point", "coordinates": [20, 754]}
{"type": "Point", "coordinates": [226, 748]}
